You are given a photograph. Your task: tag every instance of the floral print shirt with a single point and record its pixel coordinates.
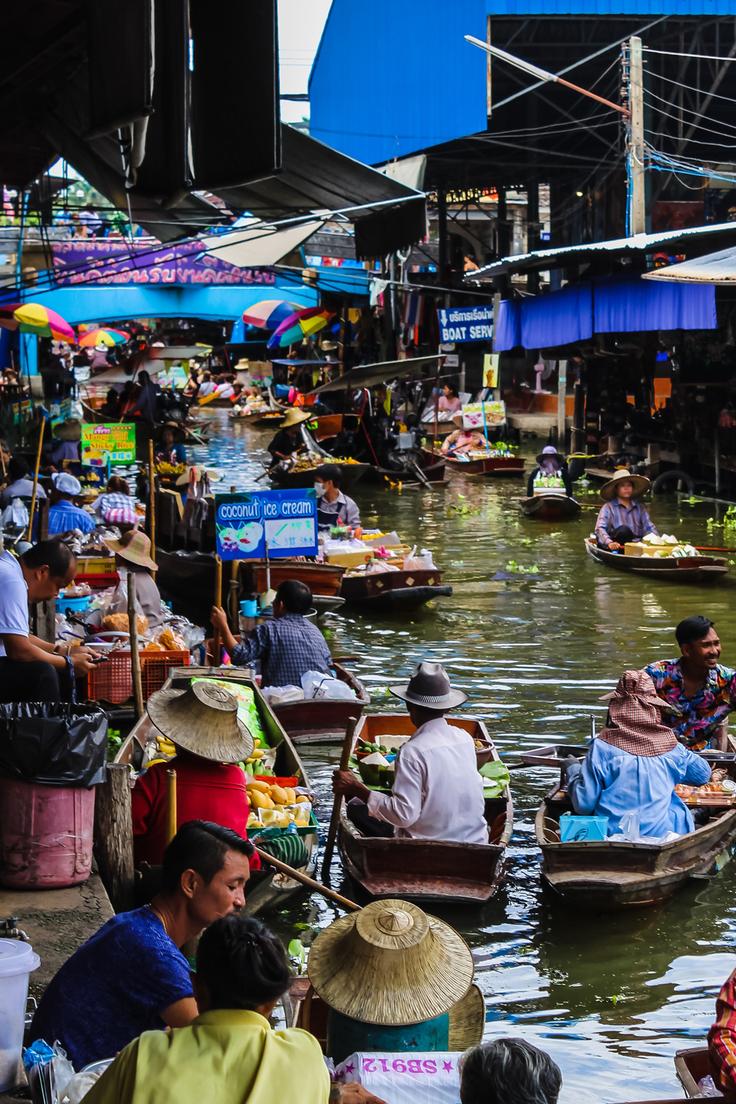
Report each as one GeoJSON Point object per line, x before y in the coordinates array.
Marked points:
{"type": "Point", "coordinates": [701, 714]}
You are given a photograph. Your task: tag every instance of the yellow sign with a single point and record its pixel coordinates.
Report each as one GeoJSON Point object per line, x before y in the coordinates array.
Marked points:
{"type": "Point", "coordinates": [112, 443]}
{"type": "Point", "coordinates": [490, 369]}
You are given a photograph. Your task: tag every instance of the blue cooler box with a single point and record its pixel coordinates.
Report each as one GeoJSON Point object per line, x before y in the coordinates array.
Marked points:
{"type": "Point", "coordinates": [583, 829]}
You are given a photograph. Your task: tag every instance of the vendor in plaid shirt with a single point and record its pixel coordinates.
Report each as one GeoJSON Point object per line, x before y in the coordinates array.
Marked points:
{"type": "Point", "coordinates": [700, 690]}
{"type": "Point", "coordinates": [287, 646]}
{"type": "Point", "coordinates": [722, 1040]}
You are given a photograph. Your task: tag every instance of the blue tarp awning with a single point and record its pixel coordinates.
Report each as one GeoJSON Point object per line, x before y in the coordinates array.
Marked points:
{"type": "Point", "coordinates": [617, 305]}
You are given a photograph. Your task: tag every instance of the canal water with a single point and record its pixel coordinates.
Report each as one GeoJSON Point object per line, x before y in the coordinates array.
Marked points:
{"type": "Point", "coordinates": [611, 997]}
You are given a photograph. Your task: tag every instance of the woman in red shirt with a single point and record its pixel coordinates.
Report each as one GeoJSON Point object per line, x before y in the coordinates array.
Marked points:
{"type": "Point", "coordinates": [210, 741]}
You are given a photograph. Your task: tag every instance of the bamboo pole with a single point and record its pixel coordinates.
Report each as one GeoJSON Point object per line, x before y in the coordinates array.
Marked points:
{"type": "Point", "coordinates": [297, 875]}
{"type": "Point", "coordinates": [216, 641]}
{"type": "Point", "coordinates": [35, 479]}
{"type": "Point", "coordinates": [152, 499]}
{"type": "Point", "coordinates": [171, 808]}
{"type": "Point", "coordinates": [347, 747]}
{"type": "Point", "coordinates": [135, 656]}
{"type": "Point", "coordinates": [233, 609]}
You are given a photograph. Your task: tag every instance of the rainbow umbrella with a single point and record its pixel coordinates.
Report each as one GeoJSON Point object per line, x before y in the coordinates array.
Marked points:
{"type": "Point", "coordinates": [297, 326]}
{"type": "Point", "coordinates": [34, 318]}
{"type": "Point", "coordinates": [267, 314]}
{"type": "Point", "coordinates": [107, 337]}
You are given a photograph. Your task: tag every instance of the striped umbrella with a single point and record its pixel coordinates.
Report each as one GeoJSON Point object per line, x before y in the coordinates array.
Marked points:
{"type": "Point", "coordinates": [267, 314]}
{"type": "Point", "coordinates": [107, 337]}
{"type": "Point", "coordinates": [297, 326]}
{"type": "Point", "coordinates": [35, 318]}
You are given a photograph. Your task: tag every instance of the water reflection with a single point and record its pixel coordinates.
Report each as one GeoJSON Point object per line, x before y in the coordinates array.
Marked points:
{"type": "Point", "coordinates": [611, 997]}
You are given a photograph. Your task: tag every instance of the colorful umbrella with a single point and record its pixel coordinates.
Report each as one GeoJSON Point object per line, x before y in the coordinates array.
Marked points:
{"type": "Point", "coordinates": [267, 314]}
{"type": "Point", "coordinates": [107, 337]}
{"type": "Point", "coordinates": [34, 318]}
{"type": "Point", "coordinates": [298, 326]}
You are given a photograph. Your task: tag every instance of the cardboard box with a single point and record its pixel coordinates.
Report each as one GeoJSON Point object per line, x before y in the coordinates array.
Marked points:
{"type": "Point", "coordinates": [638, 548]}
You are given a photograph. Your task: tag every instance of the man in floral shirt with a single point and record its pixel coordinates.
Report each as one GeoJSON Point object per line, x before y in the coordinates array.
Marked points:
{"type": "Point", "coordinates": [700, 690]}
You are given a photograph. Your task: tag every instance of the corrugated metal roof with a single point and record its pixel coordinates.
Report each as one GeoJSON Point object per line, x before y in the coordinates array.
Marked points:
{"type": "Point", "coordinates": [611, 7]}
{"type": "Point", "coordinates": [714, 268]}
{"type": "Point", "coordinates": [394, 76]}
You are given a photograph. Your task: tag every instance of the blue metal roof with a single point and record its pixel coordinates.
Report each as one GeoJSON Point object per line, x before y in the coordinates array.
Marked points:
{"type": "Point", "coordinates": [394, 76]}
{"type": "Point", "coordinates": [682, 8]}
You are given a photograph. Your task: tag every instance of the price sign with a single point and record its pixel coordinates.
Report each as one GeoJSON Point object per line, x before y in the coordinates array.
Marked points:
{"type": "Point", "coordinates": [112, 443]}
{"type": "Point", "coordinates": [256, 523]}
{"type": "Point", "coordinates": [478, 415]}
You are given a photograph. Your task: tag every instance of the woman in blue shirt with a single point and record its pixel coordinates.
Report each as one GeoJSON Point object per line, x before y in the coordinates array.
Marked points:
{"type": "Point", "coordinates": [635, 764]}
{"type": "Point", "coordinates": [65, 515]}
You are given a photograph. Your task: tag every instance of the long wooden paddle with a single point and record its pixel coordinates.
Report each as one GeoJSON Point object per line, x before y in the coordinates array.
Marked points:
{"type": "Point", "coordinates": [706, 548]}
{"type": "Point", "coordinates": [36, 469]}
{"type": "Point", "coordinates": [297, 875]}
{"type": "Point", "coordinates": [347, 747]}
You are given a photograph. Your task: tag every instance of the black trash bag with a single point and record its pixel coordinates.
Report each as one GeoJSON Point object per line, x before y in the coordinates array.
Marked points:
{"type": "Point", "coordinates": [53, 743]}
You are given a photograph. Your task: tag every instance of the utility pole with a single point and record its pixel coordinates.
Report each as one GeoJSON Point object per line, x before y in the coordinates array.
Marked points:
{"type": "Point", "coordinates": [633, 92]}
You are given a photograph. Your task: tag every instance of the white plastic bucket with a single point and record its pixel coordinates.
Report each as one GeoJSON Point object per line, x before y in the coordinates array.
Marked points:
{"type": "Point", "coordinates": [17, 962]}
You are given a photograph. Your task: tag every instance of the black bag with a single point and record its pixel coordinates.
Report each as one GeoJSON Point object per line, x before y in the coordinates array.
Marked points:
{"type": "Point", "coordinates": [53, 743]}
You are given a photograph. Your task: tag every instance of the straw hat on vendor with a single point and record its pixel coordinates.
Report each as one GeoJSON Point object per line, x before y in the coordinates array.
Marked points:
{"type": "Point", "coordinates": [294, 417]}
{"type": "Point", "coordinates": [134, 548]}
{"type": "Point", "coordinates": [392, 964]}
{"type": "Point", "coordinates": [609, 490]}
{"type": "Point", "coordinates": [550, 455]}
{"type": "Point", "coordinates": [202, 719]}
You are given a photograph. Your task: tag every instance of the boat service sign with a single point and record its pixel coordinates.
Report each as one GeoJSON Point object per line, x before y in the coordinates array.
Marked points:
{"type": "Point", "coordinates": [256, 524]}
{"type": "Point", "coordinates": [112, 443]}
{"type": "Point", "coordinates": [465, 324]}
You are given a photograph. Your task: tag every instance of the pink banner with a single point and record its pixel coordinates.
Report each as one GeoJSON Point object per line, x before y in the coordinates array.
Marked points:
{"type": "Point", "coordinates": [145, 262]}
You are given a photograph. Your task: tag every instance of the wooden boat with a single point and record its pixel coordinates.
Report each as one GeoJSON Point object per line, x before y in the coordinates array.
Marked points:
{"type": "Point", "coordinates": [393, 591]}
{"type": "Point", "coordinates": [427, 870]}
{"type": "Point", "coordinates": [323, 579]}
{"type": "Point", "coordinates": [483, 467]}
{"type": "Point", "coordinates": [608, 875]}
{"type": "Point", "coordinates": [287, 478]}
{"type": "Point", "coordinates": [679, 569]}
{"type": "Point", "coordinates": [691, 1066]}
{"type": "Point", "coordinates": [419, 469]}
{"type": "Point", "coordinates": [322, 720]}
{"type": "Point", "coordinates": [550, 507]}
{"type": "Point", "coordinates": [268, 890]}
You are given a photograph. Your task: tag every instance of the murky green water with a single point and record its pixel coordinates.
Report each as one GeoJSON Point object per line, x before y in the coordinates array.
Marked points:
{"type": "Point", "coordinates": [611, 997]}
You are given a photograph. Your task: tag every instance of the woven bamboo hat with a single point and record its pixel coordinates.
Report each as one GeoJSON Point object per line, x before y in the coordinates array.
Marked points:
{"type": "Point", "coordinates": [609, 489]}
{"type": "Point", "coordinates": [135, 547]}
{"type": "Point", "coordinates": [202, 719]}
{"type": "Point", "coordinates": [294, 417]}
{"type": "Point", "coordinates": [390, 964]}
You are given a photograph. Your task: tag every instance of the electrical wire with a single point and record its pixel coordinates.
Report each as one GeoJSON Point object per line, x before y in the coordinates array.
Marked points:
{"type": "Point", "coordinates": [687, 111]}
{"type": "Point", "coordinates": [692, 88]}
{"type": "Point", "coordinates": [676, 53]}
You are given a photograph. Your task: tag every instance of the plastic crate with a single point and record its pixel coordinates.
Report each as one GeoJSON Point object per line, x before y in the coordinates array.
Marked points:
{"type": "Point", "coordinates": [95, 565]}
{"type": "Point", "coordinates": [112, 681]}
{"type": "Point", "coordinates": [97, 581]}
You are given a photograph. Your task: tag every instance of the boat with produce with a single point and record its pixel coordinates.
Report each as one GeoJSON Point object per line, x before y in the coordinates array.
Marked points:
{"type": "Point", "coordinates": [302, 471]}
{"type": "Point", "coordinates": [322, 720]}
{"type": "Point", "coordinates": [499, 461]}
{"type": "Point", "coordinates": [608, 875]}
{"type": "Point", "coordinates": [274, 757]}
{"type": "Point", "coordinates": [680, 563]}
{"type": "Point", "coordinates": [392, 591]}
{"type": "Point", "coordinates": [550, 506]}
{"type": "Point", "coordinates": [426, 870]}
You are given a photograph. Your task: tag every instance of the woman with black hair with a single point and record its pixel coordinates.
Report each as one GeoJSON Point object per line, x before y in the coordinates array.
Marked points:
{"type": "Point", "coordinates": [509, 1071]}
{"type": "Point", "coordinates": [230, 1052]}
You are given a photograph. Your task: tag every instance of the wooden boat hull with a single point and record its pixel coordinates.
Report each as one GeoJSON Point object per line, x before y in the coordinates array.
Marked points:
{"type": "Point", "coordinates": [322, 721]}
{"type": "Point", "coordinates": [608, 876]}
{"type": "Point", "coordinates": [692, 569]}
{"type": "Point", "coordinates": [291, 479]}
{"type": "Point", "coordinates": [427, 870]}
{"type": "Point", "coordinates": [433, 472]}
{"type": "Point", "coordinates": [550, 507]}
{"type": "Point", "coordinates": [691, 1066]}
{"type": "Point", "coordinates": [271, 890]}
{"type": "Point", "coordinates": [393, 591]}
{"type": "Point", "coordinates": [484, 467]}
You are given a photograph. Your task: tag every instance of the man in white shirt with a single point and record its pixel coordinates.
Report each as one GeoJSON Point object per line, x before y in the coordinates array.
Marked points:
{"type": "Point", "coordinates": [30, 667]}
{"type": "Point", "coordinates": [21, 483]}
{"type": "Point", "coordinates": [438, 792]}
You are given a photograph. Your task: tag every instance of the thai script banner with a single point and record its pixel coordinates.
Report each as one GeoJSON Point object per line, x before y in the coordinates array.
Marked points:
{"type": "Point", "coordinates": [116, 261]}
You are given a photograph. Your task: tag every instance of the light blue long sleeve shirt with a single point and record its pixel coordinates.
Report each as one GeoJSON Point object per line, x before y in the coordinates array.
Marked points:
{"type": "Point", "coordinates": [611, 782]}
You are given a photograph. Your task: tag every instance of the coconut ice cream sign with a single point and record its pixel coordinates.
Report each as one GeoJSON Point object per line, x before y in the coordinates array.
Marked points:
{"type": "Point", "coordinates": [254, 524]}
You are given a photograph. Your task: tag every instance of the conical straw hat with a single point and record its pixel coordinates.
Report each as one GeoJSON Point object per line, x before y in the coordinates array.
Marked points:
{"type": "Point", "coordinates": [202, 719]}
{"type": "Point", "coordinates": [294, 417]}
{"type": "Point", "coordinates": [390, 964]}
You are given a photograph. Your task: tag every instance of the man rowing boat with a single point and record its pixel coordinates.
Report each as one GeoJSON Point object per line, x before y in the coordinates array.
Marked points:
{"type": "Point", "coordinates": [696, 685]}
{"type": "Point", "coordinates": [438, 792]}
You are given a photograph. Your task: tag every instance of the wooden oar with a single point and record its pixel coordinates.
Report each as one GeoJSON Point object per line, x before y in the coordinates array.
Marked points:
{"type": "Point", "coordinates": [152, 499]}
{"type": "Point", "coordinates": [297, 875]}
{"type": "Point", "coordinates": [34, 496]}
{"type": "Point", "coordinates": [347, 747]}
{"type": "Point", "coordinates": [705, 548]}
{"type": "Point", "coordinates": [135, 656]}
{"type": "Point", "coordinates": [216, 640]}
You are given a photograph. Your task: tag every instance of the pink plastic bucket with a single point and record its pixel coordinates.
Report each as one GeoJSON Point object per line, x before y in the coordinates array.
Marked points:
{"type": "Point", "coordinates": [45, 835]}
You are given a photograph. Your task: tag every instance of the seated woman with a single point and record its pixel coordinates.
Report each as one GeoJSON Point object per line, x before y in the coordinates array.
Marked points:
{"type": "Point", "coordinates": [171, 446]}
{"type": "Point", "coordinates": [622, 519]}
{"type": "Point", "coordinates": [509, 1071]}
{"type": "Point", "coordinates": [131, 976]}
{"type": "Point", "coordinates": [449, 401]}
{"type": "Point", "coordinates": [210, 741]}
{"type": "Point", "coordinates": [551, 468]}
{"type": "Point", "coordinates": [722, 1040]}
{"type": "Point", "coordinates": [229, 1054]}
{"type": "Point", "coordinates": [462, 441]}
{"type": "Point", "coordinates": [116, 505]}
{"type": "Point", "coordinates": [635, 764]}
{"type": "Point", "coordinates": [133, 554]}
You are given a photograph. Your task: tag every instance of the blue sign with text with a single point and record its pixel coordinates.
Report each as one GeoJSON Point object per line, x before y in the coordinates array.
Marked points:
{"type": "Point", "coordinates": [464, 324]}
{"type": "Point", "coordinates": [284, 522]}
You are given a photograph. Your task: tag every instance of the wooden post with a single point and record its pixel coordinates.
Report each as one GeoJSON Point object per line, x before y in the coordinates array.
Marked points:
{"type": "Point", "coordinates": [152, 499]}
{"type": "Point", "coordinates": [216, 641]}
{"type": "Point", "coordinates": [233, 596]}
{"type": "Point", "coordinates": [171, 806]}
{"type": "Point", "coordinates": [347, 747]}
{"type": "Point", "coordinates": [35, 479]}
{"type": "Point", "coordinates": [135, 656]}
{"type": "Point", "coordinates": [114, 836]}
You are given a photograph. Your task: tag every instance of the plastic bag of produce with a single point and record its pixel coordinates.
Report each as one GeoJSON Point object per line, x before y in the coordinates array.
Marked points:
{"type": "Point", "coordinates": [316, 684]}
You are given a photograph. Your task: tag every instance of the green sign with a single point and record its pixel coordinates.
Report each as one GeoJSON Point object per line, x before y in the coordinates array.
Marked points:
{"type": "Point", "coordinates": [112, 443]}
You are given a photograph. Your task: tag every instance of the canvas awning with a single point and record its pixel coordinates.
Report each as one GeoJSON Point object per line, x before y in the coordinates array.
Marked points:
{"type": "Point", "coordinates": [368, 375]}
{"type": "Point", "coordinates": [713, 268]}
